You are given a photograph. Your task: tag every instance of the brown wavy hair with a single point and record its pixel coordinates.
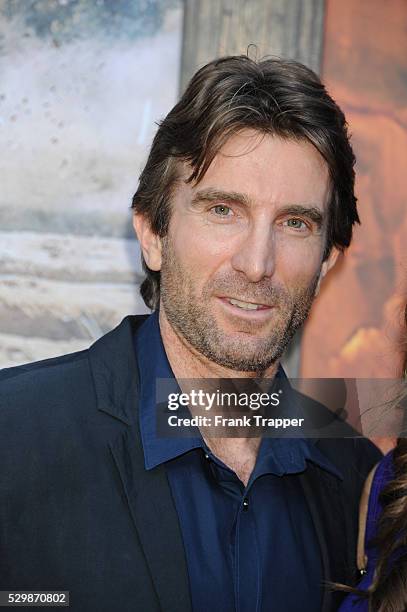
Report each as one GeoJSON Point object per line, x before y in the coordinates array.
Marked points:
{"type": "Point", "coordinates": [272, 96]}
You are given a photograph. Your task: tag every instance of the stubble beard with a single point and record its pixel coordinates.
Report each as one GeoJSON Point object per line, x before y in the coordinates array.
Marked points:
{"type": "Point", "coordinates": [191, 316]}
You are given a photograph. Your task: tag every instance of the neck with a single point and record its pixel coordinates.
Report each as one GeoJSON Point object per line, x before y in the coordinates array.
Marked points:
{"type": "Point", "coordinates": [239, 454]}
{"type": "Point", "coordinates": [187, 362]}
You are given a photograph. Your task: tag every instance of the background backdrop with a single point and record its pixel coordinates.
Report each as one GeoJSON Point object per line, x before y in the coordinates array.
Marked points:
{"type": "Point", "coordinates": [81, 86]}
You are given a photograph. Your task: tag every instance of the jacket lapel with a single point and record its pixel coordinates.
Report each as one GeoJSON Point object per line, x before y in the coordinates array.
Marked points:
{"type": "Point", "coordinates": [115, 374]}
{"type": "Point", "coordinates": [155, 519]}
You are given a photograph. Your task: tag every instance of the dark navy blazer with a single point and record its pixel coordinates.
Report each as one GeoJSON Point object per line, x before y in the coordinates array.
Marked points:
{"type": "Point", "coordinates": [78, 509]}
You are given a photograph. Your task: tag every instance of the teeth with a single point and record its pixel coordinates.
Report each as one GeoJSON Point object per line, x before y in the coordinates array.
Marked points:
{"type": "Point", "coordinates": [245, 305]}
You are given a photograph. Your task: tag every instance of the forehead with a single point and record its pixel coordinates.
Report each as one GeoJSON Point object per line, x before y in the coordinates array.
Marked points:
{"type": "Point", "coordinates": [268, 170]}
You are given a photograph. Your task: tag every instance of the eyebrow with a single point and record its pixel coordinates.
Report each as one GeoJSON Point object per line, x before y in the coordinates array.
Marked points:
{"type": "Point", "coordinates": [214, 195]}
{"type": "Point", "coordinates": [314, 213]}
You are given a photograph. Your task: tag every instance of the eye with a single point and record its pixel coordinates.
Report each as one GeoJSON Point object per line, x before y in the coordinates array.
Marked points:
{"type": "Point", "coordinates": [296, 223]}
{"type": "Point", "coordinates": [221, 210]}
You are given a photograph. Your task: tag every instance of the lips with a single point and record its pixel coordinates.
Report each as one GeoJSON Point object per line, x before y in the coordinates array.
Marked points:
{"type": "Point", "coordinates": [244, 305]}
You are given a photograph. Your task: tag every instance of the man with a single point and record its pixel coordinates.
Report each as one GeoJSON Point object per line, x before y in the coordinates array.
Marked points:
{"type": "Point", "coordinates": [243, 205]}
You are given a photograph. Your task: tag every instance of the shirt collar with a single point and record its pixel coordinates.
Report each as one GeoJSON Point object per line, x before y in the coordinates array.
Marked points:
{"type": "Point", "coordinates": [152, 364]}
{"type": "Point", "coordinates": [279, 455]}
{"type": "Point", "coordinates": [282, 456]}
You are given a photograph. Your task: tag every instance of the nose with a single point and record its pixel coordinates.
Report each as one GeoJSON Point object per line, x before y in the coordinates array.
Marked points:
{"type": "Point", "coordinates": [255, 255]}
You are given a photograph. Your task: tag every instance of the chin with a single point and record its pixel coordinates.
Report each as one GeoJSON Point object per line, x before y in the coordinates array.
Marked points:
{"type": "Point", "coordinates": [240, 350]}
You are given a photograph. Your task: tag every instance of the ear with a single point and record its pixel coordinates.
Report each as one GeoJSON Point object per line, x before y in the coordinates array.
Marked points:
{"type": "Point", "coordinates": [329, 263]}
{"type": "Point", "coordinates": [150, 242]}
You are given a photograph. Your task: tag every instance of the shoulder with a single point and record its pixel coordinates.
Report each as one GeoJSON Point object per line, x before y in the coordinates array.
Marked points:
{"type": "Point", "coordinates": [38, 387]}
{"type": "Point", "coordinates": [45, 369]}
{"type": "Point", "coordinates": [52, 392]}
{"type": "Point", "coordinates": [353, 455]}
{"type": "Point", "coordinates": [46, 421]}
{"type": "Point", "coordinates": [47, 366]}
{"type": "Point", "coordinates": [354, 458]}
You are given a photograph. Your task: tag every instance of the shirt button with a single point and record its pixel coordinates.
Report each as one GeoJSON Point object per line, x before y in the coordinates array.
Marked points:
{"type": "Point", "coordinates": [245, 504]}
{"type": "Point", "coordinates": [206, 456]}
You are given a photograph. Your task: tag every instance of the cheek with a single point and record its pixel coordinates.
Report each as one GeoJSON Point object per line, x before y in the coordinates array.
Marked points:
{"type": "Point", "coordinates": [298, 263]}
{"type": "Point", "coordinates": [201, 247]}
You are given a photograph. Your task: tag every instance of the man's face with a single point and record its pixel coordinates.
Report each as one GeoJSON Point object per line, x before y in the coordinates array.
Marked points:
{"type": "Point", "coordinates": [243, 255]}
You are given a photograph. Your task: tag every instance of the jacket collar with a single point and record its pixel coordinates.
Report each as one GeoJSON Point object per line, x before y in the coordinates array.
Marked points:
{"type": "Point", "coordinates": [114, 370]}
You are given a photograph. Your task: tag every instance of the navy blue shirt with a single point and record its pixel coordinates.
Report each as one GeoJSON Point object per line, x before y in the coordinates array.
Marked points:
{"type": "Point", "coordinates": [248, 549]}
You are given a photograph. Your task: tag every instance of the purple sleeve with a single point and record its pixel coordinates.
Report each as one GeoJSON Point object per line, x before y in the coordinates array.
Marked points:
{"type": "Point", "coordinates": [384, 473]}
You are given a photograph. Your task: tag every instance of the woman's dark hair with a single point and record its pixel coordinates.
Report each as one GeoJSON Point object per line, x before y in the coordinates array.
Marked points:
{"type": "Point", "coordinates": [388, 591]}
{"type": "Point", "coordinates": [272, 96]}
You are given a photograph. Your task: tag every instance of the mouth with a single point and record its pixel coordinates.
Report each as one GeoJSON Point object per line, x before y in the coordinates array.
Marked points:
{"type": "Point", "coordinates": [243, 308]}
{"type": "Point", "coordinates": [246, 305]}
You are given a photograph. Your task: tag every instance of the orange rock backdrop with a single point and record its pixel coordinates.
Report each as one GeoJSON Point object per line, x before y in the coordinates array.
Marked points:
{"type": "Point", "coordinates": [355, 328]}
